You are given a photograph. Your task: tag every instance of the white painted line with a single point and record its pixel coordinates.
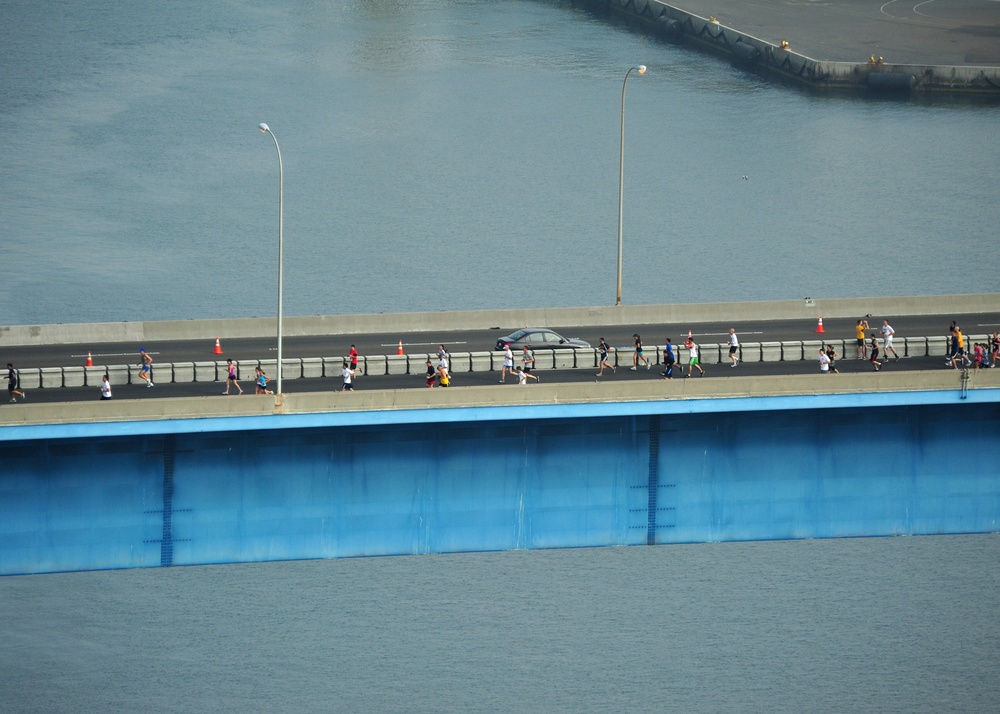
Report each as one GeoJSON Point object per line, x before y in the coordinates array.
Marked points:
{"type": "Point", "coordinates": [113, 354]}
{"type": "Point", "coordinates": [421, 344]}
{"type": "Point", "coordinates": [724, 334]}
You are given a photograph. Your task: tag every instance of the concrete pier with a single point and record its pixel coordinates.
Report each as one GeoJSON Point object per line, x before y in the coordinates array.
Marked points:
{"type": "Point", "coordinates": [945, 47]}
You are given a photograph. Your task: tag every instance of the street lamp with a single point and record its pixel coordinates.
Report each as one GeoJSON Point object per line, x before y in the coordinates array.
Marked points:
{"type": "Point", "coordinates": [641, 69]}
{"type": "Point", "coordinates": [265, 129]}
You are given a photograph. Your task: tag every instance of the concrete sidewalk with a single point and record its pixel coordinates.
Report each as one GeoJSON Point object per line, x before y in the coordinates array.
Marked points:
{"type": "Point", "coordinates": [929, 32]}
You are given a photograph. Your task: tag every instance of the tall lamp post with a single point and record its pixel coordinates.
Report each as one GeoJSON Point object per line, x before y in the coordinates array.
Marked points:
{"type": "Point", "coordinates": [641, 69]}
{"type": "Point", "coordinates": [265, 129]}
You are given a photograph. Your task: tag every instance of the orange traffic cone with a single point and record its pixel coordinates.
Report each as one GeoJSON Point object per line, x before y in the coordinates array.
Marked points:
{"type": "Point", "coordinates": [689, 334]}
{"type": "Point", "coordinates": [400, 350]}
{"type": "Point", "coordinates": [218, 347]}
{"type": "Point", "coordinates": [90, 360]}
{"type": "Point", "coordinates": [819, 327]}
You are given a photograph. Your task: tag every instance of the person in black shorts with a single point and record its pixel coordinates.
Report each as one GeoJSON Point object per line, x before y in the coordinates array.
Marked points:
{"type": "Point", "coordinates": [12, 383]}
{"type": "Point", "coordinates": [638, 353]}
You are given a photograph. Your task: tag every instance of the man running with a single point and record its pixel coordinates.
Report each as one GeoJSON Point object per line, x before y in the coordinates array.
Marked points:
{"type": "Point", "coordinates": [604, 349]}
{"type": "Point", "coordinates": [527, 360]}
{"type": "Point", "coordinates": [146, 367]}
{"type": "Point", "coordinates": [887, 333]}
{"type": "Point", "coordinates": [348, 374]}
{"type": "Point", "coordinates": [105, 388]}
{"type": "Point", "coordinates": [692, 349]}
{"type": "Point", "coordinates": [734, 347]}
{"type": "Point", "coordinates": [353, 354]}
{"type": "Point", "coordinates": [508, 363]}
{"type": "Point", "coordinates": [13, 382]}
{"type": "Point", "coordinates": [668, 360]}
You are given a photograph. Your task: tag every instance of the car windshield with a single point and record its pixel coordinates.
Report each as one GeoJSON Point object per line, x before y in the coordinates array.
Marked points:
{"type": "Point", "coordinates": [517, 335]}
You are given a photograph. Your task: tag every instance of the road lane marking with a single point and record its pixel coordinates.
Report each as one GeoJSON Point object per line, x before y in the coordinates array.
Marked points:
{"type": "Point", "coordinates": [421, 344]}
{"type": "Point", "coordinates": [112, 354]}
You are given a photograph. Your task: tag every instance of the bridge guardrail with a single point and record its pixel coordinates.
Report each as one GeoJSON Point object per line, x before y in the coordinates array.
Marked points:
{"type": "Point", "coordinates": [381, 365]}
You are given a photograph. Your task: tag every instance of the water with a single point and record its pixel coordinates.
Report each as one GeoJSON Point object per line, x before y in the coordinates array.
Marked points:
{"type": "Point", "coordinates": [452, 154]}
{"type": "Point", "coordinates": [464, 154]}
{"type": "Point", "coordinates": [897, 624]}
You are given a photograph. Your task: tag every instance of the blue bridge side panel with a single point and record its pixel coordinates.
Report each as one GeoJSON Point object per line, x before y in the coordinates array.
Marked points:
{"type": "Point", "coordinates": [319, 492]}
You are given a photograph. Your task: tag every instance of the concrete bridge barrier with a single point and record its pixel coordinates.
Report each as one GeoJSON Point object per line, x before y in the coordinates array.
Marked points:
{"type": "Point", "coordinates": [480, 361]}
{"type": "Point", "coordinates": [180, 372]}
{"type": "Point", "coordinates": [74, 377]}
{"type": "Point", "coordinates": [807, 310]}
{"type": "Point", "coordinates": [769, 352]}
{"type": "Point", "coordinates": [373, 365]}
{"type": "Point", "coordinates": [312, 367]}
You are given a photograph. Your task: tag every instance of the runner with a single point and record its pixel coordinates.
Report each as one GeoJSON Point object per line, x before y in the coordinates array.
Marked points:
{"type": "Point", "coordinates": [637, 355]}
{"type": "Point", "coordinates": [260, 382]}
{"type": "Point", "coordinates": [604, 350]}
{"type": "Point", "coordinates": [508, 363]}
{"type": "Point", "coordinates": [523, 377]}
{"type": "Point", "coordinates": [693, 362]}
{"type": "Point", "coordinates": [231, 377]}
{"type": "Point", "coordinates": [13, 382]}
{"type": "Point", "coordinates": [668, 360]}
{"type": "Point", "coordinates": [824, 362]}
{"type": "Point", "coordinates": [527, 360]}
{"type": "Point", "coordinates": [146, 367]}
{"type": "Point", "coordinates": [887, 333]}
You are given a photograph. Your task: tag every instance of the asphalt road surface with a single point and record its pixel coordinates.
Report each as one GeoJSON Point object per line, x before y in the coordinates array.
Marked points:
{"type": "Point", "coordinates": [476, 340]}
{"type": "Point", "coordinates": [468, 379]}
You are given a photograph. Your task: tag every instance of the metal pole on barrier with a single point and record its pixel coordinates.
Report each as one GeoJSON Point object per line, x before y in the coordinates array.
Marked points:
{"type": "Point", "coordinates": [265, 129]}
{"type": "Point", "coordinates": [641, 69]}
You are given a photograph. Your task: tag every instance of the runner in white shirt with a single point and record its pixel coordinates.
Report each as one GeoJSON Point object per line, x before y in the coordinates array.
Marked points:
{"type": "Point", "coordinates": [734, 347]}
{"type": "Point", "coordinates": [824, 361]}
{"type": "Point", "coordinates": [508, 363]}
{"type": "Point", "coordinates": [887, 333]}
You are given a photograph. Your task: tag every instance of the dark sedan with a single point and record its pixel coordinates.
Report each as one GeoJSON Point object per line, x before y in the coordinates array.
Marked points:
{"type": "Point", "coordinates": [539, 338]}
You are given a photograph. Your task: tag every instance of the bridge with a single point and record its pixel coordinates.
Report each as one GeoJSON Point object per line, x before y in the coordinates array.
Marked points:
{"type": "Point", "coordinates": [173, 481]}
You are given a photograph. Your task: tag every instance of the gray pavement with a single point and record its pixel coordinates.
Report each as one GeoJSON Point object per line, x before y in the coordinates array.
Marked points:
{"type": "Point", "coordinates": [70, 355]}
{"type": "Point", "coordinates": [920, 32]}
{"type": "Point", "coordinates": [623, 375]}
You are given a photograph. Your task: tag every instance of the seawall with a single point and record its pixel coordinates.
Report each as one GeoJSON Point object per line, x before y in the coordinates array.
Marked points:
{"type": "Point", "coordinates": [841, 25]}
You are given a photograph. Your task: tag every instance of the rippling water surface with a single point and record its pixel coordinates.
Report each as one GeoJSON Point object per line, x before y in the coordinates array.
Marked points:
{"type": "Point", "coordinates": [464, 154]}
{"type": "Point", "coordinates": [451, 154]}
{"type": "Point", "coordinates": [862, 625]}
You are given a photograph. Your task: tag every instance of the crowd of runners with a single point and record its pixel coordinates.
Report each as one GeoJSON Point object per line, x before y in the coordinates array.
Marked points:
{"type": "Point", "coordinates": [872, 345]}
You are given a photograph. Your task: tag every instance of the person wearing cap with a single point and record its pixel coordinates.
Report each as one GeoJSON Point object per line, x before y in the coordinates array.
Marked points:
{"type": "Point", "coordinates": [508, 362]}
{"type": "Point", "coordinates": [146, 367]}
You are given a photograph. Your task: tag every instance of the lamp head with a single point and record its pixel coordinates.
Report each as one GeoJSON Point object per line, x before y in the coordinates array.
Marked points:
{"type": "Point", "coordinates": [642, 69]}
{"type": "Point", "coordinates": [264, 128]}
